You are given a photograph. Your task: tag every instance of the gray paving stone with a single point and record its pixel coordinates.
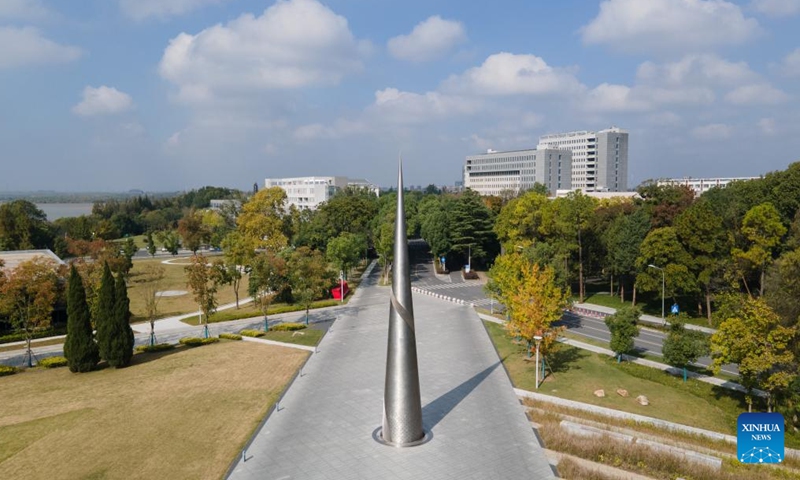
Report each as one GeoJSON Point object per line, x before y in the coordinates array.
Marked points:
{"type": "Point", "coordinates": [328, 416]}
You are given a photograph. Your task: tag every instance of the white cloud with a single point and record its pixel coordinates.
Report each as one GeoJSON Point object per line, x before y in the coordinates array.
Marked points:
{"type": "Point", "coordinates": [26, 46]}
{"type": "Point", "coordinates": [509, 74]}
{"type": "Point", "coordinates": [756, 94]}
{"type": "Point", "coordinates": [102, 100]}
{"type": "Point", "coordinates": [767, 126]}
{"type": "Point", "coordinates": [398, 106]}
{"type": "Point", "coordinates": [429, 40]}
{"type": "Point", "coordinates": [669, 25]}
{"type": "Point", "coordinates": [141, 9]}
{"type": "Point", "coordinates": [664, 119]}
{"type": "Point", "coordinates": [339, 129]}
{"type": "Point", "coordinates": [791, 64]}
{"type": "Point", "coordinates": [707, 70]}
{"type": "Point", "coordinates": [639, 98]}
{"type": "Point", "coordinates": [777, 8]}
{"type": "Point", "coordinates": [174, 140]}
{"type": "Point", "coordinates": [714, 131]}
{"type": "Point", "coordinates": [294, 43]}
{"type": "Point", "coordinates": [23, 9]}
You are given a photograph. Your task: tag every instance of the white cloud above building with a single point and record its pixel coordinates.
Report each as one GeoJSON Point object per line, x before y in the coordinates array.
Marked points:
{"type": "Point", "coordinates": [431, 39]}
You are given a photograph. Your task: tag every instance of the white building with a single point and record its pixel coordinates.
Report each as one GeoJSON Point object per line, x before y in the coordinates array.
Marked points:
{"type": "Point", "coordinates": [701, 185]}
{"type": "Point", "coordinates": [599, 159]}
{"type": "Point", "coordinates": [493, 172]}
{"type": "Point", "coordinates": [309, 192]}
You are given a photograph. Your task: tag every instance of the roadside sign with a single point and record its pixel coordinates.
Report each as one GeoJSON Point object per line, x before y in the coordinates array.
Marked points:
{"type": "Point", "coordinates": [674, 310]}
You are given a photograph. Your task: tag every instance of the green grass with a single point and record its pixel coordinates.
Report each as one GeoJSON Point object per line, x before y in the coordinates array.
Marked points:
{"type": "Point", "coordinates": [309, 336]}
{"type": "Point", "coordinates": [578, 373]}
{"type": "Point", "coordinates": [249, 311]}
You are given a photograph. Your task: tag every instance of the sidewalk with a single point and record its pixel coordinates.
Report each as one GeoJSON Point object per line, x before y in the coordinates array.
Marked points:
{"type": "Point", "coordinates": [171, 323]}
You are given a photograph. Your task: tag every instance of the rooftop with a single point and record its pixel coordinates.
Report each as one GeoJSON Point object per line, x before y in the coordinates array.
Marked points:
{"type": "Point", "coordinates": [11, 259]}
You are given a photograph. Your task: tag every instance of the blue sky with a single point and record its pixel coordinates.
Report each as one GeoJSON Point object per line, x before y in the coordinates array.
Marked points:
{"type": "Point", "coordinates": [110, 95]}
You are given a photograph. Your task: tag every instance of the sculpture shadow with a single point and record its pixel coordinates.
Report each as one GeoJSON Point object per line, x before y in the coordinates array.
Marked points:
{"type": "Point", "coordinates": [435, 411]}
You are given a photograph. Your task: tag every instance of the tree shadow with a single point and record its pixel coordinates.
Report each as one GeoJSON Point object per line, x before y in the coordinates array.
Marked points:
{"type": "Point", "coordinates": [562, 358]}
{"type": "Point", "coordinates": [721, 392]}
{"type": "Point", "coordinates": [435, 411]}
{"type": "Point", "coordinates": [146, 357]}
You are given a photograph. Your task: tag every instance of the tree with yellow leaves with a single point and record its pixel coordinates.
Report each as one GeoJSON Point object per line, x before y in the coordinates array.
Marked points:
{"type": "Point", "coordinates": [261, 221]}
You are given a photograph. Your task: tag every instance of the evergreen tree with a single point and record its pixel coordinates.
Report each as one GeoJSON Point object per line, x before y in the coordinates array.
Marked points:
{"type": "Point", "coordinates": [120, 332]}
{"type": "Point", "coordinates": [105, 312]}
{"type": "Point", "coordinates": [79, 347]}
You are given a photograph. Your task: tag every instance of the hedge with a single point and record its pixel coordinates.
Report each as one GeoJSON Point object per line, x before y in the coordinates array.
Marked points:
{"type": "Point", "coordinates": [230, 336]}
{"type": "Point", "coordinates": [19, 337]}
{"type": "Point", "coordinates": [159, 347]}
{"type": "Point", "coordinates": [252, 333]}
{"type": "Point", "coordinates": [196, 342]}
{"type": "Point", "coordinates": [6, 370]}
{"type": "Point", "coordinates": [288, 327]}
{"type": "Point", "coordinates": [53, 362]}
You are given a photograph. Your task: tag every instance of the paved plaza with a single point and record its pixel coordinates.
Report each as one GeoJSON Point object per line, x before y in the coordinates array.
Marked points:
{"type": "Point", "coordinates": [325, 423]}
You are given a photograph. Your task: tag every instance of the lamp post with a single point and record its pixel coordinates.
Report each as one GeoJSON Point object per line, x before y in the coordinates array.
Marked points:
{"type": "Point", "coordinates": [341, 286]}
{"type": "Point", "coordinates": [538, 339]}
{"type": "Point", "coordinates": [663, 283]}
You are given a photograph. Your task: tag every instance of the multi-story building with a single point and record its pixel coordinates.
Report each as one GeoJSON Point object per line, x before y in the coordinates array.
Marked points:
{"type": "Point", "coordinates": [309, 192]}
{"type": "Point", "coordinates": [493, 173]}
{"type": "Point", "coordinates": [599, 159]}
{"type": "Point", "coordinates": [700, 185]}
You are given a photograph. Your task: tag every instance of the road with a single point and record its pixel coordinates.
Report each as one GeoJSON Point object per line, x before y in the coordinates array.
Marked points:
{"type": "Point", "coordinates": [453, 285]}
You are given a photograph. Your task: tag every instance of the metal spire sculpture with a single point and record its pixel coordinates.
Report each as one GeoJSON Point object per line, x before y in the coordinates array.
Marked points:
{"type": "Point", "coordinates": [402, 409]}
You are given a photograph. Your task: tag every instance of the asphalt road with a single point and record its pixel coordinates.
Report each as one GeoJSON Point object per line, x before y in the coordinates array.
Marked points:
{"type": "Point", "coordinates": [472, 291]}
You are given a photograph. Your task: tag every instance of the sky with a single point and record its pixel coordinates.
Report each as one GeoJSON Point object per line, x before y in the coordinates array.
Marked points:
{"type": "Point", "coordinates": [112, 95]}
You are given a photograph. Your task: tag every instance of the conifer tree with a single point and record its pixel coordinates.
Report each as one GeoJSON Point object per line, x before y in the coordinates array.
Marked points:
{"type": "Point", "coordinates": [79, 347]}
{"type": "Point", "coordinates": [120, 332]}
{"type": "Point", "coordinates": [105, 312]}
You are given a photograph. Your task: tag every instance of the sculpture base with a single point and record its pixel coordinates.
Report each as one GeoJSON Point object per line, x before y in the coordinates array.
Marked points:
{"type": "Point", "coordinates": [377, 435]}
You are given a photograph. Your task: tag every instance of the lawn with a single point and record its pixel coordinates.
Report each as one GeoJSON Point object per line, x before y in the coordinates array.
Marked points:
{"type": "Point", "coordinates": [174, 279]}
{"type": "Point", "coordinates": [578, 373]}
{"type": "Point", "coordinates": [649, 307]}
{"type": "Point", "coordinates": [185, 413]}
{"type": "Point", "coordinates": [307, 336]}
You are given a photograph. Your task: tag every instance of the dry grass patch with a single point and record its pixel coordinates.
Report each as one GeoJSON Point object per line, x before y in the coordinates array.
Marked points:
{"type": "Point", "coordinates": [185, 413]}
{"type": "Point", "coordinates": [174, 279]}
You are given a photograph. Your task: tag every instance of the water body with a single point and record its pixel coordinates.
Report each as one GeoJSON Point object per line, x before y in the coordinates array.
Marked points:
{"type": "Point", "coordinates": [55, 211]}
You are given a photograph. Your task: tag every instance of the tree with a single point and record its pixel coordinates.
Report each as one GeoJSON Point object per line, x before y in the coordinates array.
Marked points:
{"type": "Point", "coordinates": [267, 280]}
{"type": "Point", "coordinates": [79, 347]}
{"type": "Point", "coordinates": [23, 226]}
{"type": "Point", "coordinates": [308, 276]}
{"type": "Point", "coordinates": [237, 254]}
{"type": "Point", "coordinates": [662, 249]}
{"type": "Point", "coordinates": [574, 213]}
{"type": "Point", "coordinates": [151, 245]}
{"type": "Point", "coordinates": [471, 227]}
{"type": "Point", "coordinates": [763, 230]}
{"type": "Point", "coordinates": [756, 341]}
{"type": "Point", "coordinates": [506, 278]}
{"type": "Point", "coordinates": [261, 220]}
{"type": "Point", "coordinates": [27, 295]}
{"type": "Point", "coordinates": [683, 347]}
{"type": "Point", "coordinates": [345, 250]}
{"type": "Point", "coordinates": [535, 305]}
{"type": "Point", "coordinates": [120, 333]}
{"type": "Point", "coordinates": [192, 230]}
{"type": "Point", "coordinates": [623, 239]}
{"type": "Point", "coordinates": [204, 281]}
{"type": "Point", "coordinates": [170, 240]}
{"type": "Point", "coordinates": [622, 326]}
{"type": "Point", "coordinates": [520, 220]}
{"type": "Point", "coordinates": [783, 287]}
{"type": "Point", "coordinates": [105, 313]}
{"type": "Point", "coordinates": [384, 244]}
{"type": "Point", "coordinates": [434, 220]}
{"type": "Point", "coordinates": [152, 278]}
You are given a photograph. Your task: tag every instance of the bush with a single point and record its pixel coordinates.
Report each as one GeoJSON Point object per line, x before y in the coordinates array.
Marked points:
{"type": "Point", "coordinates": [288, 327]}
{"type": "Point", "coordinates": [6, 370]}
{"type": "Point", "coordinates": [252, 333]}
{"type": "Point", "coordinates": [53, 362]}
{"type": "Point", "coordinates": [18, 337]}
{"type": "Point", "coordinates": [159, 347]}
{"type": "Point", "coordinates": [230, 336]}
{"type": "Point", "coordinates": [196, 342]}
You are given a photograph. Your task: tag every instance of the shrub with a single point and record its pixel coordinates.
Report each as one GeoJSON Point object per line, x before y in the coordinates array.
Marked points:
{"type": "Point", "coordinates": [252, 333]}
{"type": "Point", "coordinates": [288, 327]}
{"type": "Point", "coordinates": [18, 337]}
{"type": "Point", "coordinates": [159, 347]}
{"type": "Point", "coordinates": [6, 370]}
{"type": "Point", "coordinates": [471, 275]}
{"type": "Point", "coordinates": [196, 342]}
{"type": "Point", "coordinates": [230, 336]}
{"type": "Point", "coordinates": [53, 362]}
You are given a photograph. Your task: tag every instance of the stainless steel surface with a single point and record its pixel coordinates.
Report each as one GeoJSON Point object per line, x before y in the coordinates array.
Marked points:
{"type": "Point", "coordinates": [402, 408]}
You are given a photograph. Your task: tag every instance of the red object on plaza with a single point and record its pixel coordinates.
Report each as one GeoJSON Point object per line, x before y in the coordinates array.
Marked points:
{"type": "Point", "coordinates": [337, 291]}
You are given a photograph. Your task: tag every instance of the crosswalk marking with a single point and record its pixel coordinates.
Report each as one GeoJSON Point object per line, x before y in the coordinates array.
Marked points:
{"type": "Point", "coordinates": [447, 286]}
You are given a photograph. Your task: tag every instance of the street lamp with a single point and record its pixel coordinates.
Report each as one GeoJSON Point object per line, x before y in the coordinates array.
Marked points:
{"type": "Point", "coordinates": [538, 339]}
{"type": "Point", "coordinates": [341, 286]}
{"type": "Point", "coordinates": [663, 318]}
